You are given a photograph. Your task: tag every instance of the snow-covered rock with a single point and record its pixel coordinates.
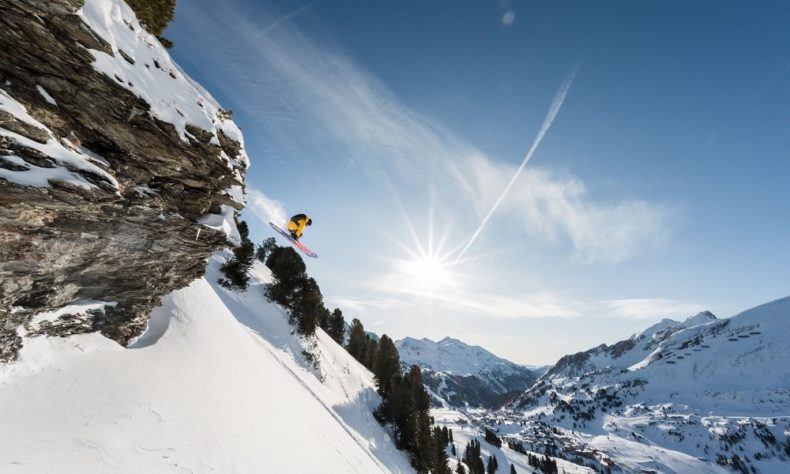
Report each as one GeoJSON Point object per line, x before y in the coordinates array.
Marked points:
{"type": "Point", "coordinates": [119, 175]}
{"type": "Point", "coordinates": [217, 383]}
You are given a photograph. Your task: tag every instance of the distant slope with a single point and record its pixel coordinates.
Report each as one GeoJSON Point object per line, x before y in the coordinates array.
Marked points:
{"type": "Point", "coordinates": [627, 352]}
{"type": "Point", "coordinates": [217, 383]}
{"type": "Point", "coordinates": [459, 374]}
{"type": "Point", "coordinates": [692, 395]}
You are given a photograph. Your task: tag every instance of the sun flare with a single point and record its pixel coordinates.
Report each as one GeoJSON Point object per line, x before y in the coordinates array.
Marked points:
{"type": "Point", "coordinates": [428, 271]}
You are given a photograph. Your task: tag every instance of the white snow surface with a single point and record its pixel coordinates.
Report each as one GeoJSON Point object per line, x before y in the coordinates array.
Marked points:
{"type": "Point", "coordinates": [50, 100]}
{"type": "Point", "coordinates": [77, 307]}
{"type": "Point", "coordinates": [217, 383]}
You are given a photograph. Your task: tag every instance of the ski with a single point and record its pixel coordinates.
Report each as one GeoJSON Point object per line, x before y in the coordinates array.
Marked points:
{"type": "Point", "coordinates": [294, 242]}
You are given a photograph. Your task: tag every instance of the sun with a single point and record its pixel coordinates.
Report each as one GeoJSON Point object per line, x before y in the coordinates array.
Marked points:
{"type": "Point", "coordinates": [428, 272]}
{"type": "Point", "coordinates": [426, 268]}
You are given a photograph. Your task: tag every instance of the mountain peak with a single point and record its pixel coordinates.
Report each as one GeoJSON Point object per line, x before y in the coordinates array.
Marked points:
{"type": "Point", "coordinates": [449, 355]}
{"type": "Point", "coordinates": [450, 340]}
{"type": "Point", "coordinates": [461, 374]}
{"type": "Point", "coordinates": [703, 317]}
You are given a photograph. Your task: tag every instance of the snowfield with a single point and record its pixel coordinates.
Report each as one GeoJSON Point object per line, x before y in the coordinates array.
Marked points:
{"type": "Point", "coordinates": [217, 383]}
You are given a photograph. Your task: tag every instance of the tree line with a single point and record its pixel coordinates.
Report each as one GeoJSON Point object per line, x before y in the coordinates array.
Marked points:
{"type": "Point", "coordinates": [405, 402]}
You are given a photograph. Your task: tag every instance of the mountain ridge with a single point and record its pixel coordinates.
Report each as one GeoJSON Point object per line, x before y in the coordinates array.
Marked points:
{"type": "Point", "coordinates": [459, 374]}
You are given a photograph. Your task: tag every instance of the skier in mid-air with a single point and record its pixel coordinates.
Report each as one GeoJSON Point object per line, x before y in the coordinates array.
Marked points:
{"type": "Point", "coordinates": [297, 224]}
{"type": "Point", "coordinates": [295, 228]}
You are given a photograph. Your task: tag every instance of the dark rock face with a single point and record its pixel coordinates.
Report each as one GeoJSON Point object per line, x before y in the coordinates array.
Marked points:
{"type": "Point", "coordinates": [63, 243]}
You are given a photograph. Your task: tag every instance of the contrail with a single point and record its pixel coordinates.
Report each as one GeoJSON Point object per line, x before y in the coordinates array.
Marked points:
{"type": "Point", "coordinates": [556, 104]}
{"type": "Point", "coordinates": [283, 19]}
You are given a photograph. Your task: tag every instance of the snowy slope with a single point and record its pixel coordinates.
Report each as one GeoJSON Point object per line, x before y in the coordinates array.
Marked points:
{"type": "Point", "coordinates": [217, 383]}
{"type": "Point", "coordinates": [459, 374]}
{"type": "Point", "coordinates": [627, 352]}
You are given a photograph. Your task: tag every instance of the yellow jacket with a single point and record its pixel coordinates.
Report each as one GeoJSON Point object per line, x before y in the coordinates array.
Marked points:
{"type": "Point", "coordinates": [297, 224]}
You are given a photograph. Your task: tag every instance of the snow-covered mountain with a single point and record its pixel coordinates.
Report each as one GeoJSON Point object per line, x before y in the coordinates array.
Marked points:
{"type": "Point", "coordinates": [702, 395]}
{"type": "Point", "coordinates": [627, 352]}
{"type": "Point", "coordinates": [458, 374]}
{"type": "Point", "coordinates": [217, 383]}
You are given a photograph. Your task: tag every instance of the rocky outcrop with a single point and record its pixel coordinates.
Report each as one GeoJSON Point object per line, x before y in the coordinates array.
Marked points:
{"type": "Point", "coordinates": [101, 195]}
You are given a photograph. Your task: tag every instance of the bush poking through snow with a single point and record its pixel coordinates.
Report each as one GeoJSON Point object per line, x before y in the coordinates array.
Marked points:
{"type": "Point", "coordinates": [265, 248]}
{"type": "Point", "coordinates": [236, 268]}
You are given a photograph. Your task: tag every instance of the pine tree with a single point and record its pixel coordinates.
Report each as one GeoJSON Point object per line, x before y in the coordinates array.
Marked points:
{"type": "Point", "coordinates": [357, 341]}
{"type": "Point", "coordinates": [371, 350]}
{"type": "Point", "coordinates": [337, 326]}
{"type": "Point", "coordinates": [386, 364]}
{"type": "Point", "coordinates": [265, 248]}
{"type": "Point", "coordinates": [308, 307]}
{"type": "Point", "coordinates": [426, 443]}
{"type": "Point", "coordinates": [426, 451]}
{"type": "Point", "coordinates": [387, 412]}
{"type": "Point", "coordinates": [472, 458]}
{"type": "Point", "coordinates": [155, 15]}
{"type": "Point", "coordinates": [492, 439]}
{"type": "Point", "coordinates": [405, 414]}
{"type": "Point", "coordinates": [323, 319]}
{"type": "Point", "coordinates": [512, 469]}
{"type": "Point", "coordinates": [236, 268]}
{"type": "Point", "coordinates": [440, 442]}
{"type": "Point", "coordinates": [288, 275]}
{"type": "Point", "coordinates": [460, 469]}
{"type": "Point", "coordinates": [491, 467]}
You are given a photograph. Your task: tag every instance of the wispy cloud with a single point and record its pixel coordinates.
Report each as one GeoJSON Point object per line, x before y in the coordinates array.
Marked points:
{"type": "Point", "coordinates": [649, 308]}
{"type": "Point", "coordinates": [359, 305]}
{"type": "Point", "coordinates": [545, 305]}
{"type": "Point", "coordinates": [552, 207]}
{"type": "Point", "coordinates": [530, 306]}
{"type": "Point", "coordinates": [304, 92]}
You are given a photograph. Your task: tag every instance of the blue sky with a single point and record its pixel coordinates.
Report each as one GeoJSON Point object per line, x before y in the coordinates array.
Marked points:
{"type": "Point", "coordinates": [660, 188]}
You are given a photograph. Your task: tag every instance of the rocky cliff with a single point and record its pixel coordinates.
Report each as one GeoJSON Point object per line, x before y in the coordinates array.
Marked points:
{"type": "Point", "coordinates": [119, 175]}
